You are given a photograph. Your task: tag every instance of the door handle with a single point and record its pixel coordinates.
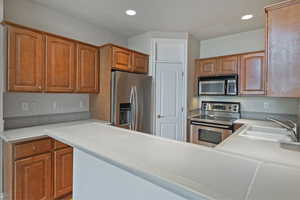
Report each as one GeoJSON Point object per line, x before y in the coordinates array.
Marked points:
{"type": "Point", "coordinates": [160, 116]}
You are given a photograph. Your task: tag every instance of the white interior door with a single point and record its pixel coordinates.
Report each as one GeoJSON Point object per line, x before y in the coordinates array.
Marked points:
{"type": "Point", "coordinates": [169, 82]}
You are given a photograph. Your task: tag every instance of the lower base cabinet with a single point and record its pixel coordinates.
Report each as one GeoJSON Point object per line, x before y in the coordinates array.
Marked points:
{"type": "Point", "coordinates": [63, 172]}
{"type": "Point", "coordinates": [33, 178]}
{"type": "Point", "coordinates": [39, 173]}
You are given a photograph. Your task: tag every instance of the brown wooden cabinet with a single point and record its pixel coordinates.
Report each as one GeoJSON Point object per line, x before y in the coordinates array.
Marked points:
{"type": "Point", "coordinates": [127, 60]}
{"type": "Point", "coordinates": [63, 173]}
{"type": "Point", "coordinates": [140, 63]}
{"type": "Point", "coordinates": [228, 65]}
{"type": "Point", "coordinates": [121, 59]}
{"type": "Point", "coordinates": [207, 67]}
{"type": "Point", "coordinates": [37, 170]}
{"type": "Point", "coordinates": [283, 49]}
{"type": "Point", "coordinates": [252, 74]}
{"type": "Point", "coordinates": [26, 60]}
{"type": "Point", "coordinates": [218, 66]}
{"type": "Point", "coordinates": [42, 62]}
{"type": "Point", "coordinates": [33, 178]}
{"type": "Point", "coordinates": [87, 69]}
{"type": "Point", "coordinates": [60, 65]}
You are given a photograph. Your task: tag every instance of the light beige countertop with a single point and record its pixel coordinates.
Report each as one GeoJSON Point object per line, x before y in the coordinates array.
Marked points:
{"type": "Point", "coordinates": [256, 122]}
{"type": "Point", "coordinates": [192, 171]}
{"type": "Point", "coordinates": [258, 149]}
{"type": "Point", "coordinates": [36, 132]}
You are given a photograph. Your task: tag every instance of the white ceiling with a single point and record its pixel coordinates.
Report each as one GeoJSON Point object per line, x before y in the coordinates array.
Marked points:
{"type": "Point", "coordinates": [203, 18]}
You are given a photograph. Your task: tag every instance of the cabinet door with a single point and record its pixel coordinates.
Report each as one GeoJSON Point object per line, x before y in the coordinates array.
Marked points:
{"type": "Point", "coordinates": [252, 74]}
{"type": "Point", "coordinates": [140, 63]}
{"type": "Point", "coordinates": [87, 69]}
{"type": "Point", "coordinates": [25, 60]}
{"type": "Point", "coordinates": [121, 59]}
{"type": "Point", "coordinates": [33, 178]}
{"type": "Point", "coordinates": [60, 65]}
{"type": "Point", "coordinates": [63, 172]}
{"type": "Point", "coordinates": [283, 49]}
{"type": "Point", "coordinates": [228, 65]}
{"type": "Point", "coordinates": [207, 67]}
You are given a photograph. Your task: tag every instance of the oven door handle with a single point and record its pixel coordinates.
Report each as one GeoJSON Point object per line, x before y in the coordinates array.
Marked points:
{"type": "Point", "coordinates": [210, 125]}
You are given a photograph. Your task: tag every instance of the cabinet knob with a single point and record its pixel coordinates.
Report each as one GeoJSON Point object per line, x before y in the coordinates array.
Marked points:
{"type": "Point", "coordinates": [33, 148]}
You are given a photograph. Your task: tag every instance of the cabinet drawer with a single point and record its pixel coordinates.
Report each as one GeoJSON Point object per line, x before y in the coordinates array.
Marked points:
{"type": "Point", "coordinates": [59, 145]}
{"type": "Point", "coordinates": [32, 148]}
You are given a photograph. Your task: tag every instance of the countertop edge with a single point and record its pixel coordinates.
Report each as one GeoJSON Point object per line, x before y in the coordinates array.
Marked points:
{"type": "Point", "coordinates": [157, 180]}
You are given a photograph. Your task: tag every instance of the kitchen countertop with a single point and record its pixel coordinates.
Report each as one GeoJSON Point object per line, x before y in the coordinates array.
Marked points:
{"type": "Point", "coordinates": [257, 122]}
{"type": "Point", "coordinates": [192, 171]}
{"type": "Point", "coordinates": [36, 132]}
{"type": "Point", "coordinates": [258, 149]}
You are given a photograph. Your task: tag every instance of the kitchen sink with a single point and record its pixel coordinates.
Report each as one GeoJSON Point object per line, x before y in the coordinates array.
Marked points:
{"type": "Point", "coordinates": [267, 133]}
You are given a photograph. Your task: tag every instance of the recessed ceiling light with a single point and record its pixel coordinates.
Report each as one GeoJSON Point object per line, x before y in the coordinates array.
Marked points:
{"type": "Point", "coordinates": [247, 17]}
{"type": "Point", "coordinates": [130, 12]}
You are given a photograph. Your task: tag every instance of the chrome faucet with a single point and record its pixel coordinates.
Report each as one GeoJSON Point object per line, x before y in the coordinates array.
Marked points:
{"type": "Point", "coordinates": [290, 126]}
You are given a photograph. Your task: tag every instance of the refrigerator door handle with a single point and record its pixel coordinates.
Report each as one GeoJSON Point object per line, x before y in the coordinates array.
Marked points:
{"type": "Point", "coordinates": [131, 126]}
{"type": "Point", "coordinates": [136, 107]}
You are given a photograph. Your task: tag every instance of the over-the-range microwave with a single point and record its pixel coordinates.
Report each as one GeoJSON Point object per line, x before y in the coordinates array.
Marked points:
{"type": "Point", "coordinates": [218, 85]}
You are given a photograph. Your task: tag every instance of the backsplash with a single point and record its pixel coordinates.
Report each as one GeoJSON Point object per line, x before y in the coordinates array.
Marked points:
{"type": "Point", "coordinates": [273, 105]}
{"type": "Point", "coordinates": [35, 104]}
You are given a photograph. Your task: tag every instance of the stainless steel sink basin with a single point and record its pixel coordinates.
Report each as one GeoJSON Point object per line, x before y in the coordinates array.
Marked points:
{"type": "Point", "coordinates": [267, 133]}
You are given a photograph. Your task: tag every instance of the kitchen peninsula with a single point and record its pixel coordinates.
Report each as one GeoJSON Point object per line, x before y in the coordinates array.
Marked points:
{"type": "Point", "coordinates": [113, 163]}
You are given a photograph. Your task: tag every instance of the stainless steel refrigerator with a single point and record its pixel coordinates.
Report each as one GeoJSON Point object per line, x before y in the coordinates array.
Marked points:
{"type": "Point", "coordinates": [132, 101]}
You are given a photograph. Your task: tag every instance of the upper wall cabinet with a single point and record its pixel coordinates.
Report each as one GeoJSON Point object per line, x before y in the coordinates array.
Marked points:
{"type": "Point", "coordinates": [217, 66]}
{"type": "Point", "coordinates": [60, 65]}
{"type": "Point", "coordinates": [121, 59]}
{"type": "Point", "coordinates": [26, 60]}
{"type": "Point", "coordinates": [87, 69]}
{"type": "Point", "coordinates": [252, 74]}
{"type": "Point", "coordinates": [283, 49]}
{"type": "Point", "coordinates": [206, 67]}
{"type": "Point", "coordinates": [127, 60]}
{"type": "Point", "coordinates": [41, 62]}
{"type": "Point", "coordinates": [228, 65]}
{"type": "Point", "coordinates": [140, 63]}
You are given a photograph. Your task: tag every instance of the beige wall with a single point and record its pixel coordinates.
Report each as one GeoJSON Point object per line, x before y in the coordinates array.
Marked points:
{"type": "Point", "coordinates": [241, 43]}
{"type": "Point", "coordinates": [233, 44]}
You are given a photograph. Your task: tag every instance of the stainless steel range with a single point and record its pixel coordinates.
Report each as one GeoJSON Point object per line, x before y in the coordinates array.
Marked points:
{"type": "Point", "coordinates": [215, 122]}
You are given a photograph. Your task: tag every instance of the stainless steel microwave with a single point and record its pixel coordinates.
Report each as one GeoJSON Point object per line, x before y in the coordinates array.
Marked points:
{"type": "Point", "coordinates": [218, 85]}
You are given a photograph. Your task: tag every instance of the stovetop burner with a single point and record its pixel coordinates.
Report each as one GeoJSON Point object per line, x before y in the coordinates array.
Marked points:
{"type": "Point", "coordinates": [224, 113]}
{"type": "Point", "coordinates": [214, 119]}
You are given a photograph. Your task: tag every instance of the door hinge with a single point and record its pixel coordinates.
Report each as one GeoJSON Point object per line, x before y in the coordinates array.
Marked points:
{"type": "Point", "coordinates": [182, 109]}
{"type": "Point", "coordinates": [182, 73]}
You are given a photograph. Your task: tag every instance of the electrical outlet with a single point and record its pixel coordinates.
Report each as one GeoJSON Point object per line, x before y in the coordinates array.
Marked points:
{"type": "Point", "coordinates": [266, 105]}
{"type": "Point", "coordinates": [54, 106]}
{"type": "Point", "coordinates": [25, 106]}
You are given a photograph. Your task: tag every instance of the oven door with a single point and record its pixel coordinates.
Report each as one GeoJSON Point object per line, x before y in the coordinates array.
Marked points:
{"type": "Point", "coordinates": [209, 134]}
{"type": "Point", "coordinates": [213, 87]}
